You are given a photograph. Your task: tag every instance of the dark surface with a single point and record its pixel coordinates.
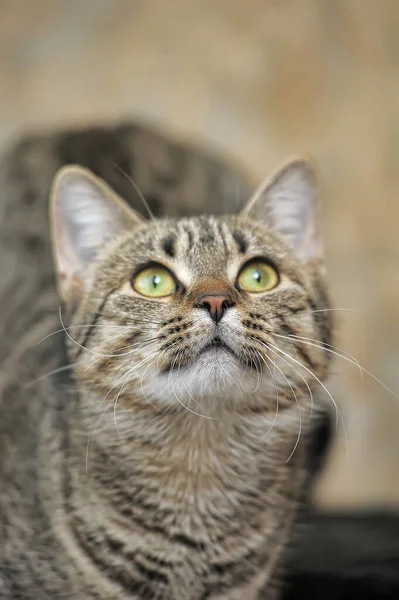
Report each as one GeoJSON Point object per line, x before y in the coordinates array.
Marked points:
{"type": "Point", "coordinates": [344, 556]}
{"type": "Point", "coordinates": [341, 556]}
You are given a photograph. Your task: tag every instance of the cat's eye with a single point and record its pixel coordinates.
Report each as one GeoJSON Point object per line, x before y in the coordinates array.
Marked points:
{"type": "Point", "coordinates": [257, 276]}
{"type": "Point", "coordinates": [154, 282]}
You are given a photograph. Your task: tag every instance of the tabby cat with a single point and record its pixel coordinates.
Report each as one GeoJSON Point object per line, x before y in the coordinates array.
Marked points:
{"type": "Point", "coordinates": [150, 426]}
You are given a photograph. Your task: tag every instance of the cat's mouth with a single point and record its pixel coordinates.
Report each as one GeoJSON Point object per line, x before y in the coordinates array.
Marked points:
{"type": "Point", "coordinates": [216, 344]}
{"type": "Point", "coordinates": [215, 358]}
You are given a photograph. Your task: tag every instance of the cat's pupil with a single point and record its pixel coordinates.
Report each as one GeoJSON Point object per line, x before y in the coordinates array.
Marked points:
{"type": "Point", "coordinates": [156, 280]}
{"type": "Point", "coordinates": [257, 276]}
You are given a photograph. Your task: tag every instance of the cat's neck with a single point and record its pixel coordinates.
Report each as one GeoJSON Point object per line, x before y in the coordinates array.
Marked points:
{"type": "Point", "coordinates": [183, 440]}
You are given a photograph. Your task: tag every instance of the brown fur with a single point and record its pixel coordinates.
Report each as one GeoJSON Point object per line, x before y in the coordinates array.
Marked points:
{"type": "Point", "coordinates": [166, 480]}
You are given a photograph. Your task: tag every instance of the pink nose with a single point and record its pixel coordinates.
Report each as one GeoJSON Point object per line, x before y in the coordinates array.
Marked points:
{"type": "Point", "coordinates": [215, 304]}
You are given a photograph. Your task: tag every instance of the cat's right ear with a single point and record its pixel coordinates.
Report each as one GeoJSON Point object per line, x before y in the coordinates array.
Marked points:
{"type": "Point", "coordinates": [85, 214]}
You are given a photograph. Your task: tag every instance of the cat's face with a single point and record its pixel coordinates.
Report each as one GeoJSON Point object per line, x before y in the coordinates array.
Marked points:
{"type": "Point", "coordinates": [189, 312]}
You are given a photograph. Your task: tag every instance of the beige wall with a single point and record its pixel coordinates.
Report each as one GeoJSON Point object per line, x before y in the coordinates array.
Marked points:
{"type": "Point", "coordinates": [263, 80]}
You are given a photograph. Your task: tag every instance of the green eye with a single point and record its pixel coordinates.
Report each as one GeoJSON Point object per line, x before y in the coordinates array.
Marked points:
{"type": "Point", "coordinates": [154, 282]}
{"type": "Point", "coordinates": [257, 276]}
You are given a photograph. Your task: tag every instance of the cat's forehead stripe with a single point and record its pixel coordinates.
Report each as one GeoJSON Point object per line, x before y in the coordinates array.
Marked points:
{"type": "Point", "coordinates": [206, 232]}
{"type": "Point", "coordinates": [240, 240]}
{"type": "Point", "coordinates": [168, 245]}
{"type": "Point", "coordinates": [189, 238]}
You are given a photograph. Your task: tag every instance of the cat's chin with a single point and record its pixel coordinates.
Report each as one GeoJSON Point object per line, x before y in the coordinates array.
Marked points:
{"type": "Point", "coordinates": [216, 372]}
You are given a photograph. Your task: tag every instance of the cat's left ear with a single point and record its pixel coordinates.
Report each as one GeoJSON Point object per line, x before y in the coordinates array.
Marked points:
{"type": "Point", "coordinates": [288, 203]}
{"type": "Point", "coordinates": [85, 215]}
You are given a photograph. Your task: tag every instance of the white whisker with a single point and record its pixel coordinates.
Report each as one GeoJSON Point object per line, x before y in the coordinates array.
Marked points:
{"type": "Point", "coordinates": [277, 403]}
{"type": "Point", "coordinates": [137, 189]}
{"type": "Point", "coordinates": [259, 373]}
{"type": "Point", "coordinates": [337, 309]}
{"type": "Point", "coordinates": [298, 373]}
{"type": "Point", "coordinates": [297, 403]}
{"type": "Point", "coordinates": [324, 346]}
{"type": "Point", "coordinates": [98, 410]}
{"type": "Point", "coordinates": [338, 413]}
{"type": "Point", "coordinates": [105, 326]}
{"type": "Point", "coordinates": [88, 349]}
{"type": "Point", "coordinates": [49, 374]}
{"type": "Point", "coordinates": [144, 373]}
{"type": "Point", "coordinates": [346, 356]}
{"type": "Point", "coordinates": [138, 346]}
{"type": "Point", "coordinates": [184, 385]}
{"type": "Point", "coordinates": [131, 373]}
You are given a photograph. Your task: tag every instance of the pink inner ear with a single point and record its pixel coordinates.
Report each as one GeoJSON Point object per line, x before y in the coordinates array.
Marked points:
{"type": "Point", "coordinates": [69, 284]}
{"type": "Point", "coordinates": [77, 281]}
{"type": "Point", "coordinates": [86, 215]}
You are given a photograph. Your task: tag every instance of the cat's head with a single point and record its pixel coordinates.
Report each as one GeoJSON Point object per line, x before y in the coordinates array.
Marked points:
{"type": "Point", "coordinates": [202, 310]}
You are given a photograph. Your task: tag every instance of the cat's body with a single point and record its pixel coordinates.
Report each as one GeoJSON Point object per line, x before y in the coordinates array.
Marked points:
{"type": "Point", "coordinates": [188, 502]}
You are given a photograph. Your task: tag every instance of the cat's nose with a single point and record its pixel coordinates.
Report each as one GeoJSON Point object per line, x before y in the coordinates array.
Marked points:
{"type": "Point", "coordinates": [215, 304]}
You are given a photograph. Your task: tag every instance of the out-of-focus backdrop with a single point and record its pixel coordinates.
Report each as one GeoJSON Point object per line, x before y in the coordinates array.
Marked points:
{"type": "Point", "coordinates": [261, 80]}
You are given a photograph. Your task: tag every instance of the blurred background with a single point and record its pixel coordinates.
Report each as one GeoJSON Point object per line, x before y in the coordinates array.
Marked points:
{"type": "Point", "coordinates": [259, 80]}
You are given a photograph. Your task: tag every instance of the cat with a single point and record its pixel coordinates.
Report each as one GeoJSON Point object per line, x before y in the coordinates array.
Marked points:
{"type": "Point", "coordinates": [150, 427]}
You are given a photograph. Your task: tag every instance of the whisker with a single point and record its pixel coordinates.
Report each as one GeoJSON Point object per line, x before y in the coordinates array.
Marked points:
{"type": "Point", "coordinates": [258, 372]}
{"type": "Point", "coordinates": [131, 373]}
{"type": "Point", "coordinates": [184, 385]}
{"type": "Point", "coordinates": [322, 343]}
{"type": "Point", "coordinates": [338, 413]}
{"type": "Point", "coordinates": [74, 341]}
{"type": "Point", "coordinates": [144, 373]}
{"type": "Point", "coordinates": [360, 312]}
{"type": "Point", "coordinates": [324, 346]}
{"type": "Point", "coordinates": [298, 373]}
{"type": "Point", "coordinates": [297, 403]}
{"type": "Point", "coordinates": [130, 320]}
{"type": "Point", "coordinates": [88, 349]}
{"type": "Point", "coordinates": [137, 347]}
{"type": "Point", "coordinates": [80, 327]}
{"type": "Point", "coordinates": [353, 361]}
{"type": "Point", "coordinates": [49, 374]}
{"type": "Point", "coordinates": [134, 184]}
{"type": "Point", "coordinates": [96, 417]}
{"type": "Point", "coordinates": [306, 311]}
{"type": "Point", "coordinates": [277, 403]}
{"type": "Point", "coordinates": [98, 410]}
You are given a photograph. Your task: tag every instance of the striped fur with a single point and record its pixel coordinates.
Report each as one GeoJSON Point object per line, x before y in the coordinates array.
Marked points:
{"type": "Point", "coordinates": [161, 503]}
